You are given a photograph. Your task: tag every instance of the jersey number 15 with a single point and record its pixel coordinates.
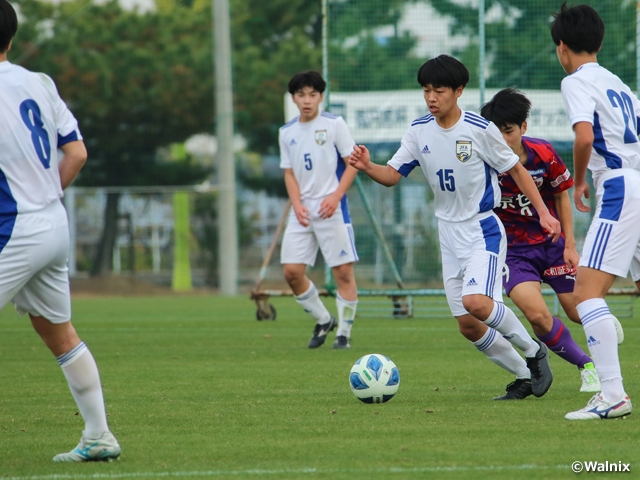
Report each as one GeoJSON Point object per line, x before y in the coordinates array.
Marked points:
{"type": "Point", "coordinates": [447, 182]}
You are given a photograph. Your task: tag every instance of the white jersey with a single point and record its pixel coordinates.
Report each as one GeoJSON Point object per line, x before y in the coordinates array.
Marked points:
{"type": "Point", "coordinates": [34, 123]}
{"type": "Point", "coordinates": [460, 163]}
{"type": "Point", "coordinates": [595, 95]}
{"type": "Point", "coordinates": [314, 151]}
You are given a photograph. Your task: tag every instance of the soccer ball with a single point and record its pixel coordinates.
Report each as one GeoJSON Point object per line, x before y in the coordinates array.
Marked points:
{"type": "Point", "coordinates": [374, 378]}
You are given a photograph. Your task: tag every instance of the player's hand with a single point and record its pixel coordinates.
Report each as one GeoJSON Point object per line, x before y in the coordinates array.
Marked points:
{"type": "Point", "coordinates": [360, 157]}
{"type": "Point", "coordinates": [571, 258]}
{"type": "Point", "coordinates": [328, 206]}
{"type": "Point", "coordinates": [302, 214]}
{"type": "Point", "coordinates": [579, 191]}
{"type": "Point", "coordinates": [551, 225]}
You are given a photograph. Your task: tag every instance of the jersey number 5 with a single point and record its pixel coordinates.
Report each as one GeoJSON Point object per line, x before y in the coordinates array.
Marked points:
{"type": "Point", "coordinates": [623, 102]}
{"type": "Point", "coordinates": [30, 112]}
{"type": "Point", "coordinates": [447, 182]}
{"type": "Point", "coordinates": [307, 161]}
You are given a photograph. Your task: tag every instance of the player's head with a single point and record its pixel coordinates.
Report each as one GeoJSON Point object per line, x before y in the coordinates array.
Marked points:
{"type": "Point", "coordinates": [509, 110]}
{"type": "Point", "coordinates": [8, 25]}
{"type": "Point", "coordinates": [579, 27]}
{"type": "Point", "coordinates": [442, 78]}
{"type": "Point", "coordinates": [307, 89]}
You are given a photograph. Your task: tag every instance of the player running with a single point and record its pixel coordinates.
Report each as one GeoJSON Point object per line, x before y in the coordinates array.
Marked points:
{"type": "Point", "coordinates": [314, 148]}
{"type": "Point", "coordinates": [604, 115]}
{"type": "Point", "coordinates": [532, 257]}
{"type": "Point", "coordinates": [34, 234]}
{"type": "Point", "coordinates": [459, 153]}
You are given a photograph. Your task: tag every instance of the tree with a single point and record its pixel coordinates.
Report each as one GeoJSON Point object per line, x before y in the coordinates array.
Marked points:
{"type": "Point", "coordinates": [520, 45]}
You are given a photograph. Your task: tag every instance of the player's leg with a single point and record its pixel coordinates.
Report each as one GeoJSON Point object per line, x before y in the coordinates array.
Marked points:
{"type": "Point", "coordinates": [346, 303]}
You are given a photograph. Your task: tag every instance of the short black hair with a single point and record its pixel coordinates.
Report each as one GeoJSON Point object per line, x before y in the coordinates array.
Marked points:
{"type": "Point", "coordinates": [8, 25]}
{"type": "Point", "coordinates": [507, 107]}
{"type": "Point", "coordinates": [310, 78]}
{"type": "Point", "coordinates": [579, 27]}
{"type": "Point", "coordinates": [443, 71]}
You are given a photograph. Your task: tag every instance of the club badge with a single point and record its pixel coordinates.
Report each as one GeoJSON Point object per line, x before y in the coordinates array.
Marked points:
{"type": "Point", "coordinates": [321, 137]}
{"type": "Point", "coordinates": [464, 150]}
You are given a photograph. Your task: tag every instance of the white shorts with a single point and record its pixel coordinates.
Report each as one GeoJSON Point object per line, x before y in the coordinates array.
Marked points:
{"type": "Point", "coordinates": [333, 235]}
{"type": "Point", "coordinates": [612, 244]}
{"type": "Point", "coordinates": [473, 256]}
{"type": "Point", "coordinates": [33, 265]}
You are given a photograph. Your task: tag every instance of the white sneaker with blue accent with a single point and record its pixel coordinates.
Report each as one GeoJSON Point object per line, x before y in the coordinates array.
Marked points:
{"type": "Point", "coordinates": [590, 379]}
{"type": "Point", "coordinates": [599, 408]}
{"type": "Point", "coordinates": [105, 448]}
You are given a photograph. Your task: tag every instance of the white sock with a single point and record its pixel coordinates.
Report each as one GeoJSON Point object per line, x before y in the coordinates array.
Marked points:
{"type": "Point", "coordinates": [602, 341]}
{"type": "Point", "coordinates": [310, 301]}
{"type": "Point", "coordinates": [505, 321]}
{"type": "Point", "coordinates": [346, 314]}
{"type": "Point", "coordinates": [81, 372]}
{"type": "Point", "coordinates": [502, 353]}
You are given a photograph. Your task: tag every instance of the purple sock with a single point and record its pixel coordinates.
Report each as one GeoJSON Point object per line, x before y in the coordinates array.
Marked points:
{"type": "Point", "coordinates": [560, 342]}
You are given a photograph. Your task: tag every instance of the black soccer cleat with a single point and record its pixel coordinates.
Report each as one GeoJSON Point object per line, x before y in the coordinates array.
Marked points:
{"type": "Point", "coordinates": [517, 390]}
{"type": "Point", "coordinates": [541, 375]}
{"type": "Point", "coordinates": [341, 343]}
{"type": "Point", "coordinates": [320, 332]}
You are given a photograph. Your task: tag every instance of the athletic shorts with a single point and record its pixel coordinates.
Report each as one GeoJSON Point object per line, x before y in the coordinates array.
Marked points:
{"type": "Point", "coordinates": [538, 263]}
{"type": "Point", "coordinates": [334, 236]}
{"type": "Point", "coordinates": [612, 244]}
{"type": "Point", "coordinates": [473, 255]}
{"type": "Point", "coordinates": [33, 265]}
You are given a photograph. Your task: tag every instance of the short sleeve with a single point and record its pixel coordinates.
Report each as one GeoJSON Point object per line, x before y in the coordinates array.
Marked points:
{"type": "Point", "coordinates": [497, 154]}
{"type": "Point", "coordinates": [559, 175]}
{"type": "Point", "coordinates": [66, 123]}
{"type": "Point", "coordinates": [406, 158]}
{"type": "Point", "coordinates": [285, 160]}
{"type": "Point", "coordinates": [578, 100]}
{"type": "Point", "coordinates": [343, 139]}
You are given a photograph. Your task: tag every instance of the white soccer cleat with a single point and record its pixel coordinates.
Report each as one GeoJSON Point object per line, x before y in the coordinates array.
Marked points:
{"type": "Point", "coordinates": [599, 408]}
{"type": "Point", "coordinates": [105, 448]}
{"type": "Point", "coordinates": [590, 379]}
{"type": "Point", "coordinates": [619, 331]}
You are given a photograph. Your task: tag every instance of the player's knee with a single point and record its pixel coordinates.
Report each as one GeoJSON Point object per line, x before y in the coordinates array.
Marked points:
{"type": "Point", "coordinates": [292, 275]}
{"type": "Point", "coordinates": [344, 274]}
{"type": "Point", "coordinates": [478, 306]}
{"type": "Point", "coordinates": [541, 320]}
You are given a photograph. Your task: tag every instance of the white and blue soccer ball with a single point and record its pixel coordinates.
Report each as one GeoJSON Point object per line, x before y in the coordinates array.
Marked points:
{"type": "Point", "coordinates": [374, 378]}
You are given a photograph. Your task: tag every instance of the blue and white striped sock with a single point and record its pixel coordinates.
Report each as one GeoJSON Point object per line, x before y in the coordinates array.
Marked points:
{"type": "Point", "coordinates": [505, 321]}
{"type": "Point", "coordinates": [310, 301]}
{"type": "Point", "coordinates": [502, 353]}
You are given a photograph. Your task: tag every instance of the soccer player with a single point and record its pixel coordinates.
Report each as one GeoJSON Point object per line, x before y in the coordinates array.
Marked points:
{"type": "Point", "coordinates": [532, 257]}
{"type": "Point", "coordinates": [34, 234]}
{"type": "Point", "coordinates": [459, 153]}
{"type": "Point", "coordinates": [604, 115]}
{"type": "Point", "coordinates": [314, 148]}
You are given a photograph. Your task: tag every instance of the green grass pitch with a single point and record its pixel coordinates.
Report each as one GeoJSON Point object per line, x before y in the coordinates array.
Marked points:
{"type": "Point", "coordinates": [195, 387]}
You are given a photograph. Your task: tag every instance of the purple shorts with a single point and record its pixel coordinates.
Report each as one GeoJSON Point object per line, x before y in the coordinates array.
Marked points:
{"type": "Point", "coordinates": [538, 263]}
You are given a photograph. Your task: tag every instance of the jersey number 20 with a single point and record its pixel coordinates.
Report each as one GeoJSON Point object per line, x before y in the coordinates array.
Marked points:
{"type": "Point", "coordinates": [30, 112]}
{"type": "Point", "coordinates": [623, 102]}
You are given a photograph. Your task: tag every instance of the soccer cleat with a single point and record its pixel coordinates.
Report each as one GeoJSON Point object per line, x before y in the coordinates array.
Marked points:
{"type": "Point", "coordinates": [341, 343]}
{"type": "Point", "coordinates": [541, 375]}
{"type": "Point", "coordinates": [320, 332]}
{"type": "Point", "coordinates": [105, 448]}
{"type": "Point", "coordinates": [599, 408]}
{"type": "Point", "coordinates": [590, 379]}
{"type": "Point", "coordinates": [517, 390]}
{"type": "Point", "coordinates": [619, 331]}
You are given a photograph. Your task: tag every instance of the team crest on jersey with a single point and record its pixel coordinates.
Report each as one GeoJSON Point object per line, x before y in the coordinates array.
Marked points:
{"type": "Point", "coordinates": [464, 150]}
{"type": "Point", "coordinates": [321, 137]}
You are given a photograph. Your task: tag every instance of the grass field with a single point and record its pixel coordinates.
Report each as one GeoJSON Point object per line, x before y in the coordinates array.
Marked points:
{"type": "Point", "coordinates": [195, 387]}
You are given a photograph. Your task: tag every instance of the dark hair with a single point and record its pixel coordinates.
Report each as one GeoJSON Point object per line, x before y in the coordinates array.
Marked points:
{"type": "Point", "coordinates": [507, 107]}
{"type": "Point", "coordinates": [8, 24]}
{"type": "Point", "coordinates": [443, 71]}
{"type": "Point", "coordinates": [579, 27]}
{"type": "Point", "coordinates": [310, 78]}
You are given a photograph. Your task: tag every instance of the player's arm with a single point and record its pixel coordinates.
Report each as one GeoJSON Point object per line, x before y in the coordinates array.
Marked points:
{"type": "Point", "coordinates": [73, 159]}
{"type": "Point", "coordinates": [293, 189]}
{"type": "Point", "coordinates": [383, 174]}
{"type": "Point", "coordinates": [330, 203]}
{"type": "Point", "coordinates": [582, 146]}
{"type": "Point", "coordinates": [563, 206]}
{"type": "Point", "coordinates": [526, 185]}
